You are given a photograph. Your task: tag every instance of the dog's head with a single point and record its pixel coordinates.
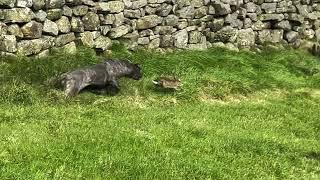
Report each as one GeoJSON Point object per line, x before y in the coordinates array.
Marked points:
{"type": "Point", "coordinates": [136, 72]}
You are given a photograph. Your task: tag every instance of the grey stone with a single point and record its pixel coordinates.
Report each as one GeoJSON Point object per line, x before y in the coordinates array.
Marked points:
{"type": "Point", "coordinates": [147, 32]}
{"type": "Point", "coordinates": [247, 23]}
{"type": "Point", "coordinates": [154, 43]}
{"type": "Point", "coordinates": [285, 25]}
{"type": "Point", "coordinates": [40, 16]}
{"type": "Point", "coordinates": [80, 10]}
{"type": "Point", "coordinates": [269, 17]}
{"type": "Point", "coordinates": [3, 28]}
{"type": "Point", "coordinates": [64, 25]}
{"type": "Point", "coordinates": [150, 10]}
{"type": "Point", "coordinates": [226, 34]}
{"type": "Point", "coordinates": [69, 48]}
{"type": "Point", "coordinates": [186, 12]}
{"type": "Point", "coordinates": [164, 30]}
{"type": "Point", "coordinates": [296, 17]}
{"type": "Point", "coordinates": [104, 30]}
{"type": "Point", "coordinates": [24, 3]}
{"type": "Point", "coordinates": [111, 6]}
{"type": "Point", "coordinates": [54, 14]}
{"type": "Point", "coordinates": [273, 36]}
{"type": "Point", "coordinates": [91, 21]}
{"type": "Point", "coordinates": [102, 43]}
{"type": "Point", "coordinates": [29, 47]}
{"type": "Point", "coordinates": [216, 25]}
{"type": "Point", "coordinates": [15, 30]}
{"type": "Point", "coordinates": [139, 4]}
{"type": "Point", "coordinates": [8, 3]}
{"type": "Point", "coordinates": [166, 41]}
{"type": "Point", "coordinates": [86, 39]}
{"type": "Point", "coordinates": [250, 7]}
{"type": "Point", "coordinates": [200, 12]}
{"type": "Point", "coordinates": [108, 19]}
{"type": "Point", "coordinates": [171, 20]}
{"type": "Point", "coordinates": [8, 43]}
{"type": "Point", "coordinates": [66, 11]}
{"type": "Point", "coordinates": [259, 25]}
{"type": "Point", "coordinates": [181, 39]}
{"type": "Point", "coordinates": [38, 4]}
{"type": "Point", "coordinates": [118, 19]}
{"type": "Point", "coordinates": [253, 16]}
{"type": "Point", "coordinates": [119, 31]}
{"type": "Point", "coordinates": [291, 36]}
{"type": "Point", "coordinates": [148, 22]}
{"type": "Point", "coordinates": [32, 30]}
{"type": "Point", "coordinates": [132, 13]}
{"type": "Point", "coordinates": [246, 38]}
{"type": "Point", "coordinates": [76, 25]}
{"type": "Point", "coordinates": [221, 8]}
{"type": "Point", "coordinates": [309, 33]}
{"type": "Point", "coordinates": [143, 40]}
{"type": "Point", "coordinates": [51, 4]}
{"type": "Point", "coordinates": [50, 28]}
{"type": "Point", "coordinates": [64, 39]}
{"type": "Point", "coordinates": [269, 7]}
{"type": "Point", "coordinates": [195, 37]}
{"type": "Point", "coordinates": [18, 15]}
{"type": "Point", "coordinates": [164, 10]}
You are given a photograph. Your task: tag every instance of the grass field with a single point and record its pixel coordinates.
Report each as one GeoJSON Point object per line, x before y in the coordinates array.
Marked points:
{"type": "Point", "coordinates": [238, 116]}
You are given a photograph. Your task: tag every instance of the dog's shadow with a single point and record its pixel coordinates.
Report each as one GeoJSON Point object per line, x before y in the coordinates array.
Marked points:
{"type": "Point", "coordinates": [107, 90]}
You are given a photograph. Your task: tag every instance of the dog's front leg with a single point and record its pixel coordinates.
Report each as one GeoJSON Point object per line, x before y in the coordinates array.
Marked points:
{"type": "Point", "coordinates": [114, 87]}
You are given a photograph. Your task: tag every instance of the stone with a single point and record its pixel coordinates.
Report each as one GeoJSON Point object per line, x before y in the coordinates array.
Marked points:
{"type": "Point", "coordinates": [38, 4]}
{"type": "Point", "coordinates": [24, 3]}
{"type": "Point", "coordinates": [91, 21]}
{"type": "Point", "coordinates": [259, 25]}
{"type": "Point", "coordinates": [252, 16]}
{"type": "Point", "coordinates": [195, 37]}
{"type": "Point", "coordinates": [246, 38]}
{"type": "Point", "coordinates": [250, 7]}
{"type": "Point", "coordinates": [171, 20]}
{"type": "Point", "coordinates": [150, 10]}
{"type": "Point", "coordinates": [64, 39]}
{"type": "Point", "coordinates": [226, 34]}
{"type": "Point", "coordinates": [154, 43]}
{"type": "Point", "coordinates": [222, 9]}
{"type": "Point", "coordinates": [164, 30]}
{"type": "Point", "coordinates": [54, 14]}
{"type": "Point", "coordinates": [40, 16]}
{"type": "Point", "coordinates": [118, 19]}
{"type": "Point", "coordinates": [143, 40]}
{"type": "Point", "coordinates": [291, 36]}
{"type": "Point", "coordinates": [132, 36]}
{"type": "Point", "coordinates": [80, 10]}
{"type": "Point", "coordinates": [105, 29]}
{"type": "Point", "coordinates": [166, 41]}
{"type": "Point", "coordinates": [52, 4]}
{"type": "Point", "coordinates": [8, 3]}
{"type": "Point", "coordinates": [111, 6]}
{"type": "Point", "coordinates": [43, 54]}
{"type": "Point", "coordinates": [69, 48]}
{"type": "Point", "coordinates": [247, 23]}
{"type": "Point", "coordinates": [231, 20]}
{"type": "Point", "coordinates": [64, 25]}
{"type": "Point", "coordinates": [181, 39]}
{"type": "Point", "coordinates": [285, 25]}
{"type": "Point", "coordinates": [273, 36]}
{"type": "Point", "coordinates": [129, 13]}
{"type": "Point", "coordinates": [86, 39]}
{"type": "Point", "coordinates": [3, 28]}
{"type": "Point", "coordinates": [50, 28]}
{"type": "Point", "coordinates": [196, 3]}
{"type": "Point", "coordinates": [29, 47]}
{"type": "Point", "coordinates": [18, 15]}
{"type": "Point", "coordinates": [15, 30]}
{"type": "Point", "coordinates": [186, 12]}
{"type": "Point", "coordinates": [139, 4]}
{"type": "Point", "coordinates": [102, 43]}
{"type": "Point", "coordinates": [147, 32]}
{"type": "Point", "coordinates": [164, 10]}
{"type": "Point", "coordinates": [148, 22]}
{"type": "Point", "coordinates": [296, 17]}
{"type": "Point", "coordinates": [76, 25]}
{"type": "Point", "coordinates": [66, 11]}
{"type": "Point", "coordinates": [108, 19]}
{"type": "Point", "coordinates": [8, 43]}
{"type": "Point", "coordinates": [273, 17]}
{"type": "Point", "coordinates": [200, 12]}
{"type": "Point", "coordinates": [216, 24]}
{"type": "Point", "coordinates": [269, 7]}
{"type": "Point", "coordinates": [119, 31]}
{"type": "Point", "coordinates": [32, 30]}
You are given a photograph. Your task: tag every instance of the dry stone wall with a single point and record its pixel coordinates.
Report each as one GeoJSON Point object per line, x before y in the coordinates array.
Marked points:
{"type": "Point", "coordinates": [31, 27]}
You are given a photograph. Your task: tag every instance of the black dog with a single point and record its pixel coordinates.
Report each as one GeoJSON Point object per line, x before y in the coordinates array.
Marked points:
{"type": "Point", "coordinates": [101, 75]}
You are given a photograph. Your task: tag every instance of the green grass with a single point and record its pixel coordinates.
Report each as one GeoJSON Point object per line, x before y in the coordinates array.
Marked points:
{"type": "Point", "coordinates": [238, 116]}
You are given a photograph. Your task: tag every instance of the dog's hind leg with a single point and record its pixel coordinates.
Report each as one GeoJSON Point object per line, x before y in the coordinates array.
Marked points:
{"type": "Point", "coordinates": [72, 88]}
